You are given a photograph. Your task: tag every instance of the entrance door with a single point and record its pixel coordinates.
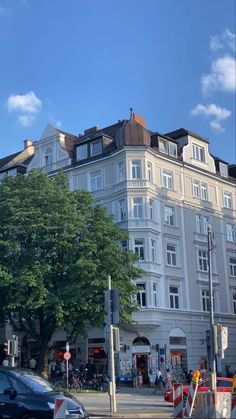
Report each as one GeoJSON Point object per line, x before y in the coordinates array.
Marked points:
{"type": "Point", "coordinates": [142, 366]}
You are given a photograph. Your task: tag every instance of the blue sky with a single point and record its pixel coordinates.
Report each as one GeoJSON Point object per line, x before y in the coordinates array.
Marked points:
{"type": "Point", "coordinates": [79, 63]}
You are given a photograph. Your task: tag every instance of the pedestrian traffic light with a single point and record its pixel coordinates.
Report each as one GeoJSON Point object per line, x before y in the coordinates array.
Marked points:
{"type": "Point", "coordinates": [116, 339]}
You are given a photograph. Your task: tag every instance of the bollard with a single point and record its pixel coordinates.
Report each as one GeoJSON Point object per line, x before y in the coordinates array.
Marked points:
{"type": "Point", "coordinates": [178, 400]}
{"type": "Point", "coordinates": [191, 395]}
{"type": "Point", "coordinates": [60, 408]}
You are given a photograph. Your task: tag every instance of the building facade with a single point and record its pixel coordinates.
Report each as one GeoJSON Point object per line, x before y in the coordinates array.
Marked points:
{"type": "Point", "coordinates": [165, 190]}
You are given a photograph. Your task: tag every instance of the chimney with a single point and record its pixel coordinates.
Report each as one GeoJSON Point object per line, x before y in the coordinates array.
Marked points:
{"type": "Point", "coordinates": [140, 119]}
{"type": "Point", "coordinates": [27, 143]}
{"type": "Point", "coordinates": [92, 130]}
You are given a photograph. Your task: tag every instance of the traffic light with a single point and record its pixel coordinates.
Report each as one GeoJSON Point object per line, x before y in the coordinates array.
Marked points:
{"type": "Point", "coordinates": [116, 339]}
{"type": "Point", "coordinates": [112, 305]}
{"type": "Point", "coordinates": [7, 347]}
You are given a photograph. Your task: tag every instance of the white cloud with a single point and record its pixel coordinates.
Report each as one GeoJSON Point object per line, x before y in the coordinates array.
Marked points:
{"type": "Point", "coordinates": [225, 40]}
{"type": "Point", "coordinates": [25, 120]}
{"type": "Point", "coordinates": [230, 39]}
{"type": "Point", "coordinates": [28, 103]}
{"type": "Point", "coordinates": [216, 112]}
{"type": "Point", "coordinates": [222, 76]}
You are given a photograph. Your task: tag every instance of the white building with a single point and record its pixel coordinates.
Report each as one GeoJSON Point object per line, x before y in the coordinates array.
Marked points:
{"type": "Point", "coordinates": [165, 190]}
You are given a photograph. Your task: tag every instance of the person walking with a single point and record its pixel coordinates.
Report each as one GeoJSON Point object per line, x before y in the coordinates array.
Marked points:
{"type": "Point", "coordinates": [158, 382]}
{"type": "Point", "coordinates": [32, 363]}
{"type": "Point", "coordinates": [140, 379]}
{"type": "Point", "coordinates": [168, 379]}
{"type": "Point", "coordinates": [134, 374]}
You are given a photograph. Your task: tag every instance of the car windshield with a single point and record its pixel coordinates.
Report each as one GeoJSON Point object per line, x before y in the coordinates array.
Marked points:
{"type": "Point", "coordinates": [33, 381]}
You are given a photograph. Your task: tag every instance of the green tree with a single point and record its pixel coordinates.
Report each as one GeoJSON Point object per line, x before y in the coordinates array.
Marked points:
{"type": "Point", "coordinates": [56, 251]}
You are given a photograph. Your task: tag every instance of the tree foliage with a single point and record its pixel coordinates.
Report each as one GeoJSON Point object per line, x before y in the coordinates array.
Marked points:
{"type": "Point", "coordinates": [56, 251]}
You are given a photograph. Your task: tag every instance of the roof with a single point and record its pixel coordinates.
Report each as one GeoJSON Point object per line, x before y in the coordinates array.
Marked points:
{"type": "Point", "coordinates": [181, 132]}
{"type": "Point", "coordinates": [7, 159]}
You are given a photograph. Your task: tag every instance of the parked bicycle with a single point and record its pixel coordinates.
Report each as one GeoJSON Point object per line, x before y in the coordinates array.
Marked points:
{"type": "Point", "coordinates": [74, 382]}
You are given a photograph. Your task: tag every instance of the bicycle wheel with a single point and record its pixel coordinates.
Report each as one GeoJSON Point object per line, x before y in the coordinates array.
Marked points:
{"type": "Point", "coordinates": [77, 386]}
{"type": "Point", "coordinates": [59, 385]}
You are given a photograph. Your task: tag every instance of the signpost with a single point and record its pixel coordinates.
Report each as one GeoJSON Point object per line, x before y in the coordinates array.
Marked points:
{"type": "Point", "coordinates": [67, 356]}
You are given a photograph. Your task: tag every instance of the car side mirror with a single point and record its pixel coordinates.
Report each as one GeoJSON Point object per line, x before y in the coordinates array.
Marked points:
{"type": "Point", "coordinates": [10, 392]}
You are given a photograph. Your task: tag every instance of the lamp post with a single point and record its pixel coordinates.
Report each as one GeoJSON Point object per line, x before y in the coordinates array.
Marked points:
{"type": "Point", "coordinates": [211, 309]}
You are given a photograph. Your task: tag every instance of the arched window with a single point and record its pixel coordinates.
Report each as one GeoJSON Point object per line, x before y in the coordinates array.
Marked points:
{"type": "Point", "coordinates": [48, 156]}
{"type": "Point", "coordinates": [141, 341]}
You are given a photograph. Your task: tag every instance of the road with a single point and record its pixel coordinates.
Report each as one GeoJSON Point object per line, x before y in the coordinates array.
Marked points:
{"type": "Point", "coordinates": [131, 403]}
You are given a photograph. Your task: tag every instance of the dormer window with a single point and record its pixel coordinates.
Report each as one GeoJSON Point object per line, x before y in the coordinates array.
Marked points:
{"type": "Point", "coordinates": [96, 148]}
{"type": "Point", "coordinates": [163, 146]}
{"type": "Point", "coordinates": [198, 153]}
{"type": "Point", "coordinates": [48, 157]}
{"type": "Point", "coordinates": [223, 169]}
{"type": "Point", "coordinates": [173, 149]}
{"type": "Point", "coordinates": [82, 152]}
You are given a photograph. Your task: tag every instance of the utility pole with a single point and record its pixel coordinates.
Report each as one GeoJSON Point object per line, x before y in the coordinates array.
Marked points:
{"type": "Point", "coordinates": [211, 309]}
{"type": "Point", "coordinates": [111, 356]}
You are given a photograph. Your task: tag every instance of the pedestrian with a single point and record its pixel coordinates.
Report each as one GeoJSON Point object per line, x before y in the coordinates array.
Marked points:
{"type": "Point", "coordinates": [53, 370]}
{"type": "Point", "coordinates": [189, 376]}
{"type": "Point", "coordinates": [134, 374]}
{"type": "Point", "coordinates": [140, 379]}
{"type": "Point", "coordinates": [158, 384]}
{"type": "Point", "coordinates": [168, 379]}
{"type": "Point", "coordinates": [5, 362]}
{"type": "Point", "coordinates": [32, 363]}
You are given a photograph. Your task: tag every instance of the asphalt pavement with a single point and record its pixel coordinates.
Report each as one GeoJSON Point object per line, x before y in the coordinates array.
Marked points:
{"type": "Point", "coordinates": [131, 403]}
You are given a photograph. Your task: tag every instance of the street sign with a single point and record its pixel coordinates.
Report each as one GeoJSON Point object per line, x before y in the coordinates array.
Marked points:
{"type": "Point", "coordinates": [67, 356]}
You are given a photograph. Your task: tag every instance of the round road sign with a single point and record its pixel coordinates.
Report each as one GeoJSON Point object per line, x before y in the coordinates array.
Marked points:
{"type": "Point", "coordinates": [67, 355]}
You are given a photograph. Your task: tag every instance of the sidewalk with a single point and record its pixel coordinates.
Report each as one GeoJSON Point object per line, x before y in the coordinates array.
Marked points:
{"type": "Point", "coordinates": [131, 403]}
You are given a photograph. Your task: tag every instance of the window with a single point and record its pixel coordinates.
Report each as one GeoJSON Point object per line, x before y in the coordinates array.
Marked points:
{"type": "Point", "coordinates": [223, 169]}
{"type": "Point", "coordinates": [151, 205]}
{"type": "Point", "coordinates": [138, 207]}
{"type": "Point", "coordinates": [124, 244]}
{"type": "Point", "coordinates": [167, 180]}
{"type": "Point", "coordinates": [202, 222]}
{"type": "Point", "coordinates": [139, 248]}
{"type": "Point", "coordinates": [172, 149]}
{"type": "Point", "coordinates": [174, 297]}
{"type": "Point", "coordinates": [163, 146]}
{"type": "Point", "coordinates": [149, 171]}
{"type": "Point", "coordinates": [122, 214]}
{"type": "Point", "coordinates": [153, 250]}
{"type": "Point", "coordinates": [206, 300]}
{"type": "Point", "coordinates": [234, 303]}
{"type": "Point", "coordinates": [121, 171]}
{"type": "Point", "coordinates": [96, 180]}
{"type": "Point", "coordinates": [203, 260]}
{"type": "Point", "coordinates": [204, 194]}
{"type": "Point", "coordinates": [198, 153]}
{"type": "Point", "coordinates": [155, 294]}
{"type": "Point", "coordinates": [227, 200]}
{"type": "Point", "coordinates": [169, 215]}
{"type": "Point", "coordinates": [4, 382]}
{"type": "Point", "coordinates": [196, 189]}
{"type": "Point", "coordinates": [48, 157]}
{"type": "Point", "coordinates": [96, 147]}
{"type": "Point", "coordinates": [141, 295]}
{"type": "Point", "coordinates": [232, 266]}
{"type": "Point", "coordinates": [171, 255]}
{"type": "Point", "coordinates": [136, 169]}
{"type": "Point", "coordinates": [82, 152]}
{"type": "Point", "coordinates": [230, 232]}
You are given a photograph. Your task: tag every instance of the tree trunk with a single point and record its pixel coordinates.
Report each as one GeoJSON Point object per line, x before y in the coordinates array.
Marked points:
{"type": "Point", "coordinates": [43, 360]}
